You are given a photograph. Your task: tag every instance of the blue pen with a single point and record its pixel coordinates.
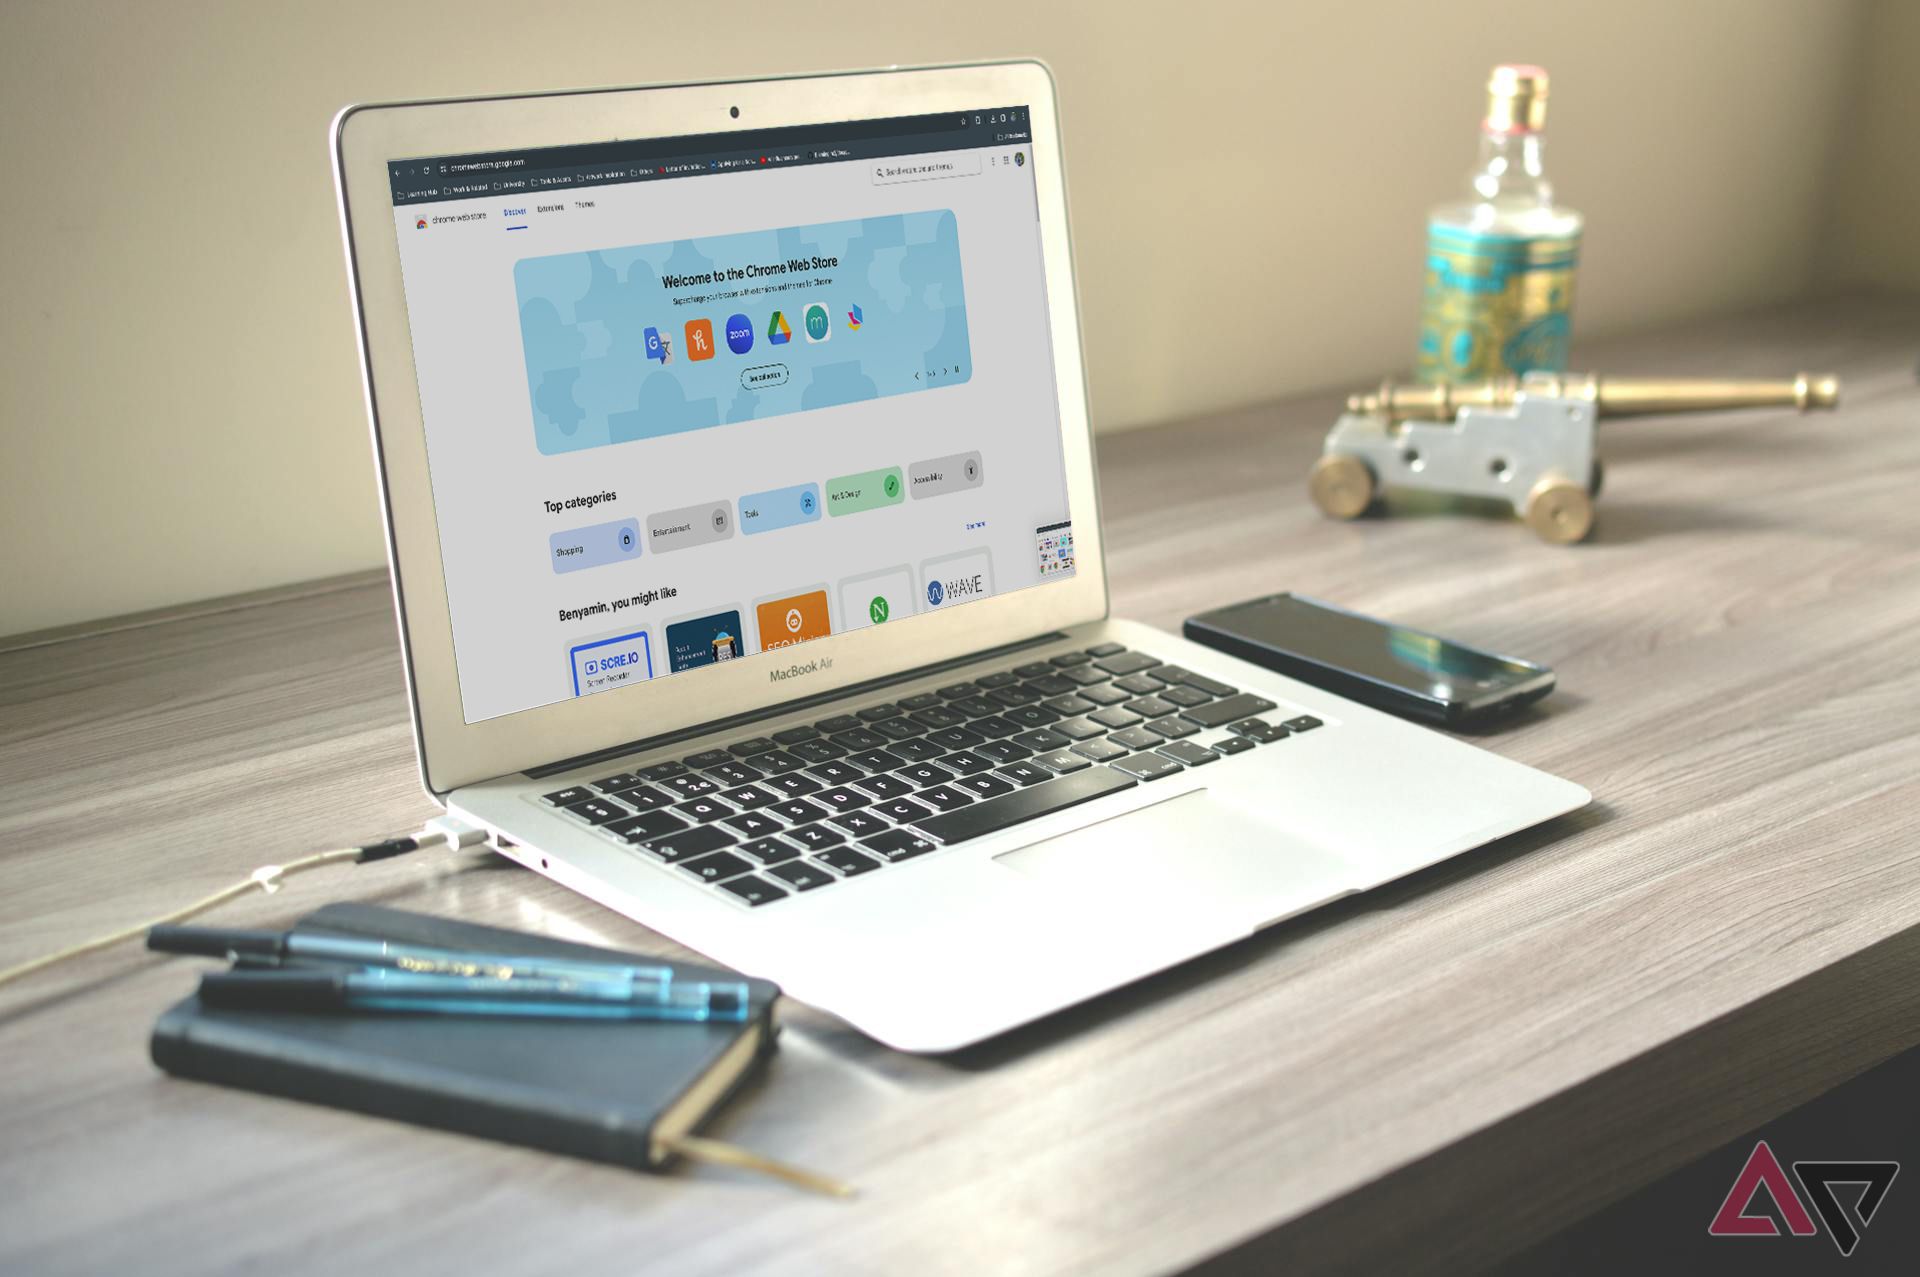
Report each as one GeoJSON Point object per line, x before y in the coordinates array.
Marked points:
{"type": "Point", "coordinates": [382, 989]}
{"type": "Point", "coordinates": [277, 946]}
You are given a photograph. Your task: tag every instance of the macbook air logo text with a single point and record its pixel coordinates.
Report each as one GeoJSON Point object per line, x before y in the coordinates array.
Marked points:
{"type": "Point", "coordinates": [795, 671]}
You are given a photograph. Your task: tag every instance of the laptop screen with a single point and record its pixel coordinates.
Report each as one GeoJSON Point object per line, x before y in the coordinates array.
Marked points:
{"type": "Point", "coordinates": [701, 399]}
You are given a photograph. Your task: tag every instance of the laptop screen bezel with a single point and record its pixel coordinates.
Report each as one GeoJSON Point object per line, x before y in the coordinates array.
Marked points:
{"type": "Point", "coordinates": [454, 752]}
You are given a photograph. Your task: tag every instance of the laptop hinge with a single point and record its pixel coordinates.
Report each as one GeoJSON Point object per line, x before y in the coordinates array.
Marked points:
{"type": "Point", "coordinates": [784, 707]}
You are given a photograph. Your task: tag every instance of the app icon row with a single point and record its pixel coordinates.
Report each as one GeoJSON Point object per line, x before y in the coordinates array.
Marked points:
{"type": "Point", "coordinates": [816, 323]}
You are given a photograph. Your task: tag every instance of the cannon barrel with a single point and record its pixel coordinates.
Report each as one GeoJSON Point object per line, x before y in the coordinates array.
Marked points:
{"type": "Point", "coordinates": [1611, 396]}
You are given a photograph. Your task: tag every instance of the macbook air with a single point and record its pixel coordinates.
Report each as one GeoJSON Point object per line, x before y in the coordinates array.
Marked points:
{"type": "Point", "coordinates": [740, 496]}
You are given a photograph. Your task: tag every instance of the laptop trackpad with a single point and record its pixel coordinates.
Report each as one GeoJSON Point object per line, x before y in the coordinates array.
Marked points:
{"type": "Point", "coordinates": [1191, 851]}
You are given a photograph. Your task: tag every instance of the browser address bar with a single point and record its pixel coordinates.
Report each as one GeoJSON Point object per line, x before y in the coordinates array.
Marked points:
{"type": "Point", "coordinates": [959, 164]}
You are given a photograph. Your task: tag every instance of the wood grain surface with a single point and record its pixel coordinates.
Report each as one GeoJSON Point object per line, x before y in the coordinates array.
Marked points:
{"type": "Point", "coordinates": [1423, 1078]}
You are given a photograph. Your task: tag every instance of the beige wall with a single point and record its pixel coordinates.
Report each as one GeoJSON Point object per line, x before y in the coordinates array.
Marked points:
{"type": "Point", "coordinates": [180, 403]}
{"type": "Point", "coordinates": [1872, 237]}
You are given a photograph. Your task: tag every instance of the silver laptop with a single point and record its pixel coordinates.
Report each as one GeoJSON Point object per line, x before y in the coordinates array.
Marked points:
{"type": "Point", "coordinates": [741, 506]}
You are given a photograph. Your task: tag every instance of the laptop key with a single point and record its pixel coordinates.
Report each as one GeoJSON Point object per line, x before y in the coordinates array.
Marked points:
{"type": "Point", "coordinates": [846, 861]}
{"type": "Point", "coordinates": [903, 810]}
{"type": "Point", "coordinates": [647, 798]}
{"type": "Point", "coordinates": [1136, 738]}
{"type": "Point", "coordinates": [716, 867]}
{"type": "Point", "coordinates": [975, 707]}
{"type": "Point", "coordinates": [997, 680]}
{"type": "Point", "coordinates": [753, 824]}
{"type": "Point", "coordinates": [751, 746]}
{"type": "Point", "coordinates": [1231, 745]}
{"type": "Point", "coordinates": [1211, 686]}
{"type": "Point", "coordinates": [986, 786]}
{"type": "Point", "coordinates": [1100, 750]}
{"type": "Point", "coordinates": [650, 824]}
{"type": "Point", "coordinates": [1146, 766]}
{"type": "Point", "coordinates": [567, 797]}
{"type": "Point", "coordinates": [1015, 695]}
{"type": "Point", "coordinates": [1222, 712]}
{"type": "Point", "coordinates": [794, 735]}
{"type": "Point", "coordinates": [899, 729]}
{"type": "Point", "coordinates": [1104, 694]}
{"type": "Point", "coordinates": [859, 738]}
{"type": "Point", "coordinates": [939, 716]}
{"type": "Point", "coordinates": [815, 751]}
{"type": "Point", "coordinates": [794, 785]}
{"type": "Point", "coordinates": [798, 811]}
{"type": "Point", "coordinates": [692, 842]}
{"type": "Point", "coordinates": [920, 775]}
{"type": "Point", "coordinates": [1024, 773]}
{"type": "Point", "coordinates": [837, 773]}
{"type": "Point", "coordinates": [617, 781]}
{"type": "Point", "coordinates": [815, 837]}
{"type": "Point", "coordinates": [1138, 685]}
{"type": "Point", "coordinates": [1066, 659]}
{"type": "Point", "coordinates": [1185, 751]}
{"type": "Point", "coordinates": [917, 751]}
{"type": "Point", "coordinates": [663, 771]}
{"type": "Point", "coordinates": [861, 824]}
{"type": "Point", "coordinates": [777, 762]}
{"type": "Point", "coordinates": [597, 811]}
{"type": "Point", "coordinates": [1152, 707]}
{"type": "Point", "coordinates": [708, 758]}
{"type": "Point", "coordinates": [925, 700]}
{"type": "Point", "coordinates": [878, 760]}
{"type": "Point", "coordinates": [1040, 740]}
{"type": "Point", "coordinates": [1033, 669]}
{"type": "Point", "coordinates": [966, 762]}
{"type": "Point", "coordinates": [1049, 685]}
{"type": "Point", "coordinates": [1260, 732]}
{"type": "Point", "coordinates": [691, 786]}
{"type": "Point", "coordinates": [769, 851]}
{"type": "Point", "coordinates": [1026, 716]}
{"type": "Point", "coordinates": [1173, 727]}
{"type": "Point", "coordinates": [734, 773]}
{"type": "Point", "coordinates": [840, 798]}
{"type": "Point", "coordinates": [1078, 729]}
{"type": "Point", "coordinates": [884, 786]}
{"type": "Point", "coordinates": [1127, 663]}
{"type": "Point", "coordinates": [1070, 706]}
{"type": "Point", "coordinates": [1183, 696]}
{"type": "Point", "coordinates": [702, 810]}
{"type": "Point", "coordinates": [944, 797]}
{"type": "Point", "coordinates": [754, 890]}
{"type": "Point", "coordinates": [1086, 675]}
{"type": "Point", "coordinates": [1062, 760]}
{"type": "Point", "coordinates": [1001, 751]}
{"type": "Point", "coordinates": [1013, 806]}
{"type": "Point", "coordinates": [801, 876]}
{"type": "Point", "coordinates": [957, 691]}
{"type": "Point", "coordinates": [1304, 723]}
{"type": "Point", "coordinates": [1114, 716]}
{"type": "Point", "coordinates": [898, 844]}
{"type": "Point", "coordinates": [955, 738]}
{"type": "Point", "coordinates": [838, 723]}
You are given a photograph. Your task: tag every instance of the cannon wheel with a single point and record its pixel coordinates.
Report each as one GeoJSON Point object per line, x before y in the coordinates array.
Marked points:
{"type": "Point", "coordinates": [1341, 485]}
{"type": "Point", "coordinates": [1559, 511]}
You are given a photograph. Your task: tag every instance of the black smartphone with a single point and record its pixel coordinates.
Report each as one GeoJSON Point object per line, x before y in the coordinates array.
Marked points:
{"type": "Point", "coordinates": [1374, 662]}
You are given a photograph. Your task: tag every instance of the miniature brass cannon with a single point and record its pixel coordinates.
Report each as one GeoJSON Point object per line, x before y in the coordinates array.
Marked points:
{"type": "Point", "coordinates": [1526, 441]}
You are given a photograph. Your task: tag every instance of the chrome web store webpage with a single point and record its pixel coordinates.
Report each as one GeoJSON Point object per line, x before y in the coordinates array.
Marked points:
{"type": "Point", "coordinates": [680, 422]}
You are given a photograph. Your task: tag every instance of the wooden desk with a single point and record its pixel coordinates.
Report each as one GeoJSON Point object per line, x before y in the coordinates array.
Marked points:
{"type": "Point", "coordinates": [1426, 1077]}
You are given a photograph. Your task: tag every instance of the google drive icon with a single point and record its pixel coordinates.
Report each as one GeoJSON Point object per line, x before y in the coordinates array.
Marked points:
{"type": "Point", "coordinates": [778, 334]}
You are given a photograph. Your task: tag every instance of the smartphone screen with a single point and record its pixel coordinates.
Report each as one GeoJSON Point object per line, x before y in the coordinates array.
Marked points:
{"type": "Point", "coordinates": [1424, 664]}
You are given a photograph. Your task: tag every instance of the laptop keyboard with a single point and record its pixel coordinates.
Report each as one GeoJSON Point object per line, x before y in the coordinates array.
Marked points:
{"type": "Point", "coordinates": [771, 816]}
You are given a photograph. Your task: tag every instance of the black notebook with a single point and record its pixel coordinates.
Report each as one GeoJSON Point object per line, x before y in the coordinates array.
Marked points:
{"type": "Point", "coordinates": [615, 1092]}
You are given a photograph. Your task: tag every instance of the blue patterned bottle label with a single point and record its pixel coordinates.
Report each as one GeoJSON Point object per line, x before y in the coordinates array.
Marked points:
{"type": "Point", "coordinates": [1496, 304]}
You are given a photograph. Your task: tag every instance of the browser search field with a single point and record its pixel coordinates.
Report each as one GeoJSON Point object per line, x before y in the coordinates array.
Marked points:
{"type": "Point", "coordinates": [933, 168]}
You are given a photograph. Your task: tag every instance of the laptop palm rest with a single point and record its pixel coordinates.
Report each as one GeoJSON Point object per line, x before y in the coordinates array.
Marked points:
{"type": "Point", "coordinates": [1191, 853]}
